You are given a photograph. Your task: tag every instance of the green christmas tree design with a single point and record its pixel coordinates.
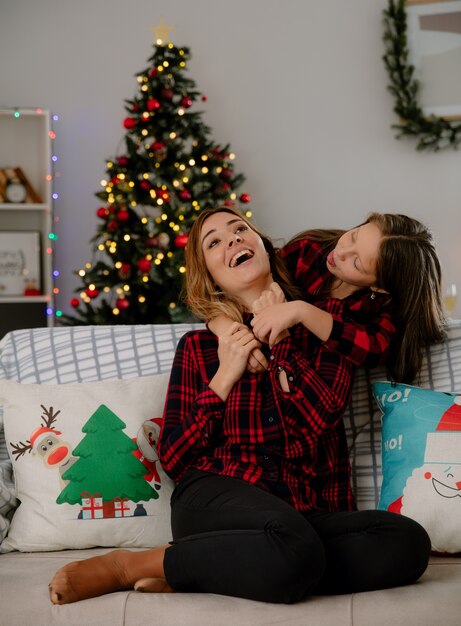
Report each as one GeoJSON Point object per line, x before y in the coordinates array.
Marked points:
{"type": "Point", "coordinates": [106, 464]}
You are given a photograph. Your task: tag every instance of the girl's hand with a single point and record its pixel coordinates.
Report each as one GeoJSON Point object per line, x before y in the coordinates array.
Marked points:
{"type": "Point", "coordinates": [273, 295]}
{"type": "Point", "coordinates": [270, 324]}
{"type": "Point", "coordinates": [234, 348]}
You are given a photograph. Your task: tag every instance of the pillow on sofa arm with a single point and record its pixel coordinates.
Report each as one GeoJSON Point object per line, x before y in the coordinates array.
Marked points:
{"type": "Point", "coordinates": [85, 464]}
{"type": "Point", "coordinates": [421, 449]}
{"type": "Point", "coordinates": [8, 501]}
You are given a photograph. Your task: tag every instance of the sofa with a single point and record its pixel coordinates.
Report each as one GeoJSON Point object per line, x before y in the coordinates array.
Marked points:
{"type": "Point", "coordinates": [115, 361]}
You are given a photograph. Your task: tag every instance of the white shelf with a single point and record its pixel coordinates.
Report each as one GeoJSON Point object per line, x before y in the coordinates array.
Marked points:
{"type": "Point", "coordinates": [24, 299]}
{"type": "Point", "coordinates": [11, 206]}
{"type": "Point", "coordinates": [25, 142]}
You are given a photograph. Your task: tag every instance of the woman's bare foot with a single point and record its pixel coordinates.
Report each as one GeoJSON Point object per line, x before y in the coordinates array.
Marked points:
{"type": "Point", "coordinates": [153, 585]}
{"type": "Point", "coordinates": [115, 571]}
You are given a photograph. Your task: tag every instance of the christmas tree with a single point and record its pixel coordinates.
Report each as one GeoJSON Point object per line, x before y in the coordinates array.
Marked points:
{"type": "Point", "coordinates": [168, 172]}
{"type": "Point", "coordinates": [106, 463]}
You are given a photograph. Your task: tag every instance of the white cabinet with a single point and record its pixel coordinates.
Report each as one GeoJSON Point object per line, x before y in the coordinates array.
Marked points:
{"type": "Point", "coordinates": [26, 289]}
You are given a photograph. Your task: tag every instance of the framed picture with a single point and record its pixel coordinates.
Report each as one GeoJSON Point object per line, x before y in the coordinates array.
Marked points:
{"type": "Point", "coordinates": [434, 40]}
{"type": "Point", "coordinates": [19, 263]}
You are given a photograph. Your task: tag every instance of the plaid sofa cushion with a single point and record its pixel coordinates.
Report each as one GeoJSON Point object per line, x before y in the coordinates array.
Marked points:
{"type": "Point", "coordinates": [90, 353]}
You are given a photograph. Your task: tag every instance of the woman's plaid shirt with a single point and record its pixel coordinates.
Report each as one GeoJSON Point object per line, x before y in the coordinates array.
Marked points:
{"type": "Point", "coordinates": [291, 444]}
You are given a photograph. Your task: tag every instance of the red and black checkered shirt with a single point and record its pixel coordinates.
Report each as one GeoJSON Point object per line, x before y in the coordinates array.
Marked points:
{"type": "Point", "coordinates": [363, 329]}
{"type": "Point", "coordinates": [291, 444]}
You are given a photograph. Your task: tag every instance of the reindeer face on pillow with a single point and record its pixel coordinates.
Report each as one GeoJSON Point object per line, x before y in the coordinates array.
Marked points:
{"type": "Point", "coordinates": [46, 442]}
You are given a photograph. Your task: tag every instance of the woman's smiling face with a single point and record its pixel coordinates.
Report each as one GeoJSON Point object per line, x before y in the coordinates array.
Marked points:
{"type": "Point", "coordinates": [234, 254]}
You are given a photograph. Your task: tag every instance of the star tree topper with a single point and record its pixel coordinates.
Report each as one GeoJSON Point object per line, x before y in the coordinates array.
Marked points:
{"type": "Point", "coordinates": [162, 31]}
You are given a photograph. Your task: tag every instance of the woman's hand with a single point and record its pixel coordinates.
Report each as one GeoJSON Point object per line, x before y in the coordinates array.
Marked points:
{"type": "Point", "coordinates": [234, 348]}
{"type": "Point", "coordinates": [257, 362]}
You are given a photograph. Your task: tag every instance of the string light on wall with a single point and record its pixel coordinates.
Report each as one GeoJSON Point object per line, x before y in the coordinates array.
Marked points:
{"type": "Point", "coordinates": [51, 176]}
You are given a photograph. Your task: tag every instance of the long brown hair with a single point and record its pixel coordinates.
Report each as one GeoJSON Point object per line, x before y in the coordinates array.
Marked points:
{"type": "Point", "coordinates": [203, 298]}
{"type": "Point", "coordinates": [408, 269]}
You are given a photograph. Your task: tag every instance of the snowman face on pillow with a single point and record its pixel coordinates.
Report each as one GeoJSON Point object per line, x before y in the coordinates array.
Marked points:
{"type": "Point", "coordinates": [421, 435]}
{"type": "Point", "coordinates": [446, 481]}
{"type": "Point", "coordinates": [435, 480]}
{"type": "Point", "coordinates": [432, 497]}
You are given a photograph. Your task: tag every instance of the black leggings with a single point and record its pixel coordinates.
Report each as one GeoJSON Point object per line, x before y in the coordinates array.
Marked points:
{"type": "Point", "coordinates": [232, 538]}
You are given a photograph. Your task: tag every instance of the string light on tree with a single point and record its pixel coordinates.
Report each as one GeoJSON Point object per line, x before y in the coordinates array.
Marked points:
{"type": "Point", "coordinates": [168, 170]}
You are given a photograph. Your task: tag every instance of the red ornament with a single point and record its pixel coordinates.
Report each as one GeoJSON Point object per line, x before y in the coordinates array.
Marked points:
{"type": "Point", "coordinates": [115, 180]}
{"type": "Point", "coordinates": [125, 270]}
{"type": "Point", "coordinates": [151, 242]}
{"type": "Point", "coordinates": [122, 304]}
{"type": "Point", "coordinates": [153, 72]}
{"type": "Point", "coordinates": [123, 215]}
{"type": "Point", "coordinates": [144, 265]}
{"type": "Point", "coordinates": [157, 145]}
{"type": "Point", "coordinates": [226, 173]}
{"type": "Point", "coordinates": [135, 107]}
{"type": "Point", "coordinates": [167, 93]}
{"type": "Point", "coordinates": [75, 303]}
{"type": "Point", "coordinates": [145, 184]}
{"type": "Point", "coordinates": [153, 104]}
{"type": "Point", "coordinates": [222, 190]}
{"type": "Point", "coordinates": [129, 122]}
{"type": "Point", "coordinates": [92, 293]}
{"type": "Point", "coordinates": [181, 241]}
{"type": "Point", "coordinates": [112, 225]}
{"type": "Point", "coordinates": [162, 193]}
{"type": "Point", "coordinates": [204, 98]}
{"type": "Point", "coordinates": [185, 194]}
{"type": "Point", "coordinates": [122, 161]}
{"type": "Point", "coordinates": [102, 212]}
{"type": "Point", "coordinates": [245, 198]}
{"type": "Point", "coordinates": [186, 102]}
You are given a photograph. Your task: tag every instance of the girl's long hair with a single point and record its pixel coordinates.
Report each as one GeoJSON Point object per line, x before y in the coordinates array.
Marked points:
{"type": "Point", "coordinates": [408, 269]}
{"type": "Point", "coordinates": [203, 297]}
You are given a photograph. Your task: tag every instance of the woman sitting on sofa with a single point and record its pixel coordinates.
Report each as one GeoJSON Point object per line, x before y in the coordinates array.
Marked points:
{"type": "Point", "coordinates": [263, 507]}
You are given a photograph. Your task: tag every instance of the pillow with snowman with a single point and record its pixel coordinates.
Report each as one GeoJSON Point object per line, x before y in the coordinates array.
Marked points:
{"type": "Point", "coordinates": [421, 449]}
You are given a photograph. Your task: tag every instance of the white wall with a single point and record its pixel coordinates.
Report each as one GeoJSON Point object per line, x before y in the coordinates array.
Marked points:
{"type": "Point", "coordinates": [297, 87]}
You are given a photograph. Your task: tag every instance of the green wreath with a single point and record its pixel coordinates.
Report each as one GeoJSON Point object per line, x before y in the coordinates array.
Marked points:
{"type": "Point", "coordinates": [435, 133]}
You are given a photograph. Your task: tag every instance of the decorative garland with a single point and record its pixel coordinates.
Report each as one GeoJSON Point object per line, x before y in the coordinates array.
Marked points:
{"type": "Point", "coordinates": [435, 133]}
